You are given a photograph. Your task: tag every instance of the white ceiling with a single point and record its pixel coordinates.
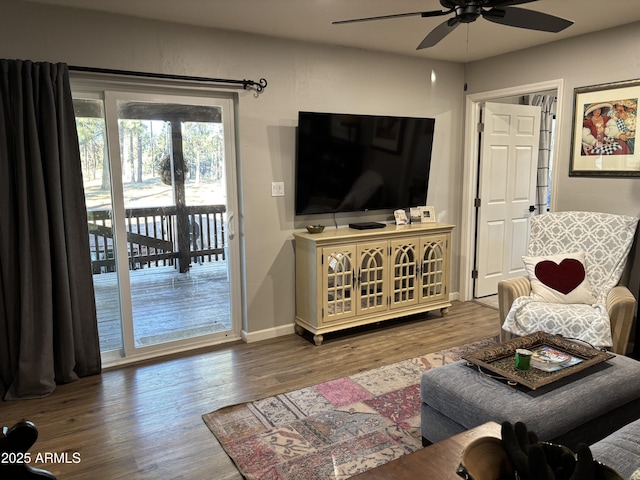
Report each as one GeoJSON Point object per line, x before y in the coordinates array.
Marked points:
{"type": "Point", "coordinates": [310, 20]}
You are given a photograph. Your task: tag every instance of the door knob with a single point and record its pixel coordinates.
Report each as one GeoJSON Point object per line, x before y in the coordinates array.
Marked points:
{"type": "Point", "coordinates": [532, 208]}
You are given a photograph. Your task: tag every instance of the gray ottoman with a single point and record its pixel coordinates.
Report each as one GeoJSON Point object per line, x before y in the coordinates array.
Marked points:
{"type": "Point", "coordinates": [584, 407]}
{"type": "Point", "coordinates": [620, 450]}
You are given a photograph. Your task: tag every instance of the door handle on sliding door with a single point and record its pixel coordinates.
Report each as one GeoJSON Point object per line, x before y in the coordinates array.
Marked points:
{"type": "Point", "coordinates": [232, 233]}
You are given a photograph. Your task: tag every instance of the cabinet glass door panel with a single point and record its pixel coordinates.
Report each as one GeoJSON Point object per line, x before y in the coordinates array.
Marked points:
{"type": "Point", "coordinates": [338, 283]}
{"type": "Point", "coordinates": [433, 269]}
{"type": "Point", "coordinates": [372, 277]}
{"type": "Point", "coordinates": [404, 273]}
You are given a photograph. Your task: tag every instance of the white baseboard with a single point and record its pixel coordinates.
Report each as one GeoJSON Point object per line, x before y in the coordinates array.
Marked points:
{"type": "Point", "coordinates": [268, 333]}
{"type": "Point", "coordinates": [288, 329]}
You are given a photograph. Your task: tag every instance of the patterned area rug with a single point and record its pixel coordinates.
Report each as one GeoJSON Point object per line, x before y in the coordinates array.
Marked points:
{"type": "Point", "coordinates": [332, 430]}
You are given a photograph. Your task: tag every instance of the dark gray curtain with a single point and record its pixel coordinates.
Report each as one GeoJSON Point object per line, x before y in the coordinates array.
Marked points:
{"type": "Point", "coordinates": [48, 324]}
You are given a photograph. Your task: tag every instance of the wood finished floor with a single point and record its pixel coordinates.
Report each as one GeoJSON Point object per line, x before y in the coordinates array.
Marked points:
{"type": "Point", "coordinates": [144, 421]}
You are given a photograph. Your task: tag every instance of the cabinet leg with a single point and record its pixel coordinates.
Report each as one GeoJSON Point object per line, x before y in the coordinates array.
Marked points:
{"type": "Point", "coordinates": [444, 311]}
{"type": "Point", "coordinates": [298, 329]}
{"type": "Point", "coordinates": [317, 339]}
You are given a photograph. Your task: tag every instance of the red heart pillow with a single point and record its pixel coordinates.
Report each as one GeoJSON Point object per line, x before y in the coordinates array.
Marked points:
{"type": "Point", "coordinates": [560, 278]}
{"type": "Point", "coordinates": [563, 277]}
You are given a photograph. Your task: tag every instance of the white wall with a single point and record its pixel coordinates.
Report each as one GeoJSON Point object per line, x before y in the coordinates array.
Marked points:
{"type": "Point", "coordinates": [603, 57]}
{"type": "Point", "coordinates": [301, 77]}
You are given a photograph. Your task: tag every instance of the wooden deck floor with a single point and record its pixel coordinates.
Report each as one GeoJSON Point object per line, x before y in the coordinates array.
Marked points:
{"type": "Point", "coordinates": [167, 305]}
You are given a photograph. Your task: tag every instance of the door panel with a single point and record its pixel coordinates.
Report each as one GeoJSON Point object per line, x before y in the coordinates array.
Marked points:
{"type": "Point", "coordinates": [404, 272]}
{"type": "Point", "coordinates": [508, 164]}
{"type": "Point", "coordinates": [493, 260]}
{"type": "Point", "coordinates": [519, 239]}
{"type": "Point", "coordinates": [372, 278]}
{"type": "Point", "coordinates": [434, 268]}
{"type": "Point", "coordinates": [159, 193]}
{"type": "Point", "coordinates": [338, 283]}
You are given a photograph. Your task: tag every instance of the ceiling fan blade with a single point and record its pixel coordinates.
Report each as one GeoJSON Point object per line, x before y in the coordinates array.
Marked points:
{"type": "Point", "coordinates": [438, 33]}
{"type": "Point", "coordinates": [530, 19]}
{"type": "Point", "coordinates": [505, 3]}
{"type": "Point", "coordinates": [434, 13]}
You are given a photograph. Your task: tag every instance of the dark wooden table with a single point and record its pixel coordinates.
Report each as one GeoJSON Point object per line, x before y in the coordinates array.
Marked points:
{"type": "Point", "coordinates": [437, 461]}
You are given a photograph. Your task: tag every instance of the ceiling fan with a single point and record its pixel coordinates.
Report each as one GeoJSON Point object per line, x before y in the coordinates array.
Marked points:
{"type": "Point", "coordinates": [467, 11]}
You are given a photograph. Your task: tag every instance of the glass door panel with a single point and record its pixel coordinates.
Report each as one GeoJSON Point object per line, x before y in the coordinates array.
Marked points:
{"type": "Point", "coordinates": [160, 232]}
{"type": "Point", "coordinates": [90, 124]}
{"type": "Point", "coordinates": [172, 166]}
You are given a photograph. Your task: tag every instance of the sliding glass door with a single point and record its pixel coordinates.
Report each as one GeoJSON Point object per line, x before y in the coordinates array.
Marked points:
{"type": "Point", "coordinates": [159, 173]}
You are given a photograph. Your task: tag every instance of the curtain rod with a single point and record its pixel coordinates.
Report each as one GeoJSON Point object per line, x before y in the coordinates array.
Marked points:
{"type": "Point", "coordinates": [258, 86]}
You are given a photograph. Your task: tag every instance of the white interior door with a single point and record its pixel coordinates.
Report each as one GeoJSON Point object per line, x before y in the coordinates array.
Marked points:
{"type": "Point", "coordinates": [506, 191]}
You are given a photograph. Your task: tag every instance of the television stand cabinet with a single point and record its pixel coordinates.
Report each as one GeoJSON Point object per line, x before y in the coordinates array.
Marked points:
{"type": "Point", "coordinates": [347, 278]}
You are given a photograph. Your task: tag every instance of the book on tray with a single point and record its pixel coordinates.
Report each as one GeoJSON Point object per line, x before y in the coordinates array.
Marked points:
{"type": "Point", "coordinates": [550, 359]}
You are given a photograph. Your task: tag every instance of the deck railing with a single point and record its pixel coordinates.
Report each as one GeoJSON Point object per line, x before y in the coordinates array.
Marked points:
{"type": "Point", "coordinates": [160, 236]}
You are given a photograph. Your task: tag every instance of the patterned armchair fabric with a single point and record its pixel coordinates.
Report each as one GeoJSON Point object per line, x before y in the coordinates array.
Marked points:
{"type": "Point", "coordinates": [605, 240]}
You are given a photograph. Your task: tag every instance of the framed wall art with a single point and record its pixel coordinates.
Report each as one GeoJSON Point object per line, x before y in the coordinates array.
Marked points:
{"type": "Point", "coordinates": [603, 139]}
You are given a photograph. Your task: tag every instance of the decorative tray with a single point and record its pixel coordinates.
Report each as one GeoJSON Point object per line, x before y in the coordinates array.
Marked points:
{"type": "Point", "coordinates": [500, 359]}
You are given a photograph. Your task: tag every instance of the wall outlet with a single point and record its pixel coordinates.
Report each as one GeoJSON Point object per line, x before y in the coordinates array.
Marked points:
{"type": "Point", "coordinates": [277, 189]}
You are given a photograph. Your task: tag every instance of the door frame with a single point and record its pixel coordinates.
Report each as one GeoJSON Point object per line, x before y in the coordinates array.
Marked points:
{"type": "Point", "coordinates": [470, 168]}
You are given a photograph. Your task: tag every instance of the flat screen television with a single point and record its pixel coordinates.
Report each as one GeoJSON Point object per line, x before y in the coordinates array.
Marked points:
{"type": "Point", "coordinates": [348, 163]}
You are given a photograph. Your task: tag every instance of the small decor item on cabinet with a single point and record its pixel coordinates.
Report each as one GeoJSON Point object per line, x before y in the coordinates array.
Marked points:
{"type": "Point", "coordinates": [427, 214]}
{"type": "Point", "coordinates": [401, 217]}
{"type": "Point", "coordinates": [315, 228]}
{"type": "Point", "coordinates": [415, 215]}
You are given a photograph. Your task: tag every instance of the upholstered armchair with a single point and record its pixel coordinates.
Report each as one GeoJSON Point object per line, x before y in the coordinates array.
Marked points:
{"type": "Point", "coordinates": [574, 263]}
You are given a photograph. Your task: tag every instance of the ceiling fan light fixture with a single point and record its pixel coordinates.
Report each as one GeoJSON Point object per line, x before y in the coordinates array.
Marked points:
{"type": "Point", "coordinates": [468, 13]}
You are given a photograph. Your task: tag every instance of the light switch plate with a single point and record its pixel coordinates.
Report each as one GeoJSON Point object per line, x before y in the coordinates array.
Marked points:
{"type": "Point", "coordinates": [277, 189]}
